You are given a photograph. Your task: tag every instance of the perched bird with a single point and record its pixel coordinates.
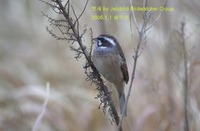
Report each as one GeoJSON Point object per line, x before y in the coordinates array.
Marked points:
{"type": "Point", "coordinates": [110, 61]}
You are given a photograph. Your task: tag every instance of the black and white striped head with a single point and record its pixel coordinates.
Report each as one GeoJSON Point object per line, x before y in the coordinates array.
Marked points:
{"type": "Point", "coordinates": [105, 41]}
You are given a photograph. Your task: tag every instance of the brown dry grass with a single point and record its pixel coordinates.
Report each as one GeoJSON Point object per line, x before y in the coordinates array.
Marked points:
{"type": "Point", "coordinates": [29, 58]}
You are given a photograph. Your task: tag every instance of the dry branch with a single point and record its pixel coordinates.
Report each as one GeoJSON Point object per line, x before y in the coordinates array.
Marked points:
{"type": "Point", "coordinates": [142, 33]}
{"type": "Point", "coordinates": [185, 80]}
{"type": "Point", "coordinates": [72, 34]}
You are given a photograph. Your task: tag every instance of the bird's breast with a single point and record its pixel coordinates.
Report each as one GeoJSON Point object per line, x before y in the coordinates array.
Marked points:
{"type": "Point", "coordinates": [109, 65]}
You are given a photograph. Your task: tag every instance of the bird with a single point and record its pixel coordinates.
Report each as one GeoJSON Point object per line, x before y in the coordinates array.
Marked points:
{"type": "Point", "coordinates": [109, 60]}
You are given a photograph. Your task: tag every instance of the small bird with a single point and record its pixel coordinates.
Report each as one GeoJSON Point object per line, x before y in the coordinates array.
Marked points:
{"type": "Point", "coordinates": [109, 60]}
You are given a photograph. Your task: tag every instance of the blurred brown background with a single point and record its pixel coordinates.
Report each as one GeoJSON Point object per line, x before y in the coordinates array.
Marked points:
{"type": "Point", "coordinates": [30, 57]}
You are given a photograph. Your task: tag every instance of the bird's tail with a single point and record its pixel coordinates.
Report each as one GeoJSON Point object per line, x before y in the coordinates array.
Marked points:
{"type": "Point", "coordinates": [122, 102]}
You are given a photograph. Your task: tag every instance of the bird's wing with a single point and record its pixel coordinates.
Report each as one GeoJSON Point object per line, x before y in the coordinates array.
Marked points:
{"type": "Point", "coordinates": [125, 71]}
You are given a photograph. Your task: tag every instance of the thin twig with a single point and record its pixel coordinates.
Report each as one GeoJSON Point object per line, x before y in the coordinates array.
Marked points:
{"type": "Point", "coordinates": [185, 80]}
{"type": "Point", "coordinates": [91, 35]}
{"type": "Point", "coordinates": [155, 21]}
{"type": "Point", "coordinates": [133, 15]}
{"type": "Point", "coordinates": [82, 11]}
{"type": "Point", "coordinates": [40, 116]}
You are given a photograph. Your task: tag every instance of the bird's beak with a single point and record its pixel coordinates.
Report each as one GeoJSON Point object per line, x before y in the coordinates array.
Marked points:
{"type": "Point", "coordinates": [94, 39]}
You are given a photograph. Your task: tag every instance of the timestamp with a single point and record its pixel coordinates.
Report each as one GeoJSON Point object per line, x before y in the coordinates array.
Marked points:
{"type": "Point", "coordinates": [101, 17]}
{"type": "Point", "coordinates": [109, 17]}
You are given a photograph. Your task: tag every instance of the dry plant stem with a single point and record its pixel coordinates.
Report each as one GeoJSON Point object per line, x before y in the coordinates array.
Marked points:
{"type": "Point", "coordinates": [88, 58]}
{"type": "Point", "coordinates": [185, 80]}
{"type": "Point", "coordinates": [40, 116]}
{"type": "Point", "coordinates": [142, 35]}
{"type": "Point", "coordinates": [135, 57]}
